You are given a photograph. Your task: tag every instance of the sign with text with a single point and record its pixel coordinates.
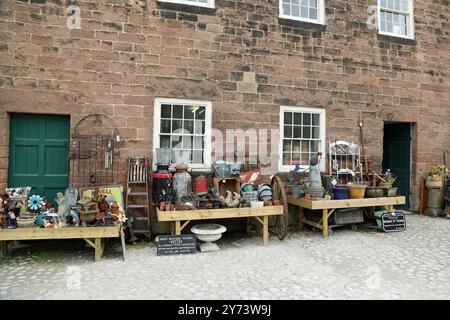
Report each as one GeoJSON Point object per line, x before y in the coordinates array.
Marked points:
{"type": "Point", "coordinates": [175, 245]}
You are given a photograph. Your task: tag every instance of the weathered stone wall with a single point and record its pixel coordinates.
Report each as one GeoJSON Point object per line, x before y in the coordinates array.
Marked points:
{"type": "Point", "coordinates": [240, 56]}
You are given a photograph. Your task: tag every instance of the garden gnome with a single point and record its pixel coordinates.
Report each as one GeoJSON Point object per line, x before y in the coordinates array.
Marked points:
{"type": "Point", "coordinates": [63, 208]}
{"type": "Point", "coordinates": [315, 181]}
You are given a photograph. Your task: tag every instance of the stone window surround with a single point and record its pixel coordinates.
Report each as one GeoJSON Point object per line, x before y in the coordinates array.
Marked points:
{"type": "Point", "coordinates": [322, 148]}
{"type": "Point", "coordinates": [321, 17]}
{"type": "Point", "coordinates": [206, 166]}
{"type": "Point", "coordinates": [410, 23]}
{"type": "Point", "coordinates": [209, 4]}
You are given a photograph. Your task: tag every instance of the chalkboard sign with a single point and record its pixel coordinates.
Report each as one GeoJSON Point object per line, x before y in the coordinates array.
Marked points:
{"type": "Point", "coordinates": [174, 245]}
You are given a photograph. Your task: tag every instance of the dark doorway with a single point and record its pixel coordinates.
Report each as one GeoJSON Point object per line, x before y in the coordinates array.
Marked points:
{"type": "Point", "coordinates": [397, 156]}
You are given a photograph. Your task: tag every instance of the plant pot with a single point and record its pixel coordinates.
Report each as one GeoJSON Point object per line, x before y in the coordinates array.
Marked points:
{"type": "Point", "coordinates": [340, 193]}
{"type": "Point", "coordinates": [385, 185]}
{"type": "Point", "coordinates": [435, 182]}
{"type": "Point", "coordinates": [390, 192]}
{"type": "Point", "coordinates": [356, 191]}
{"type": "Point", "coordinates": [374, 192]}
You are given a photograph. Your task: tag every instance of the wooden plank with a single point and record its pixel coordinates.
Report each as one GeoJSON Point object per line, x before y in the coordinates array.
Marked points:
{"type": "Point", "coordinates": [62, 233]}
{"type": "Point", "coordinates": [3, 248]}
{"type": "Point", "coordinates": [301, 216]}
{"type": "Point", "coordinates": [177, 227]}
{"type": "Point", "coordinates": [348, 203]}
{"type": "Point", "coordinates": [325, 230]}
{"type": "Point", "coordinates": [98, 249]}
{"type": "Point", "coordinates": [266, 230]}
{"type": "Point", "coordinates": [218, 213]}
{"type": "Point", "coordinates": [312, 223]}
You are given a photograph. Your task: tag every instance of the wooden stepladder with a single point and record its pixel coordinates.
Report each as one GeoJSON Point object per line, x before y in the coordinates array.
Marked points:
{"type": "Point", "coordinates": [138, 204]}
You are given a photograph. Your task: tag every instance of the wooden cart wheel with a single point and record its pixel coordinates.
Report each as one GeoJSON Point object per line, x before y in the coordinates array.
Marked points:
{"type": "Point", "coordinates": [282, 221]}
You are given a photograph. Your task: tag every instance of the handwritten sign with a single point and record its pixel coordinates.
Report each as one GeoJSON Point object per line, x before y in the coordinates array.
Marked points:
{"type": "Point", "coordinates": [175, 245]}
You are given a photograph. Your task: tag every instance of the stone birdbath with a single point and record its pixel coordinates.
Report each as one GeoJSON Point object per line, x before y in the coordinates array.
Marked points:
{"type": "Point", "coordinates": [208, 233]}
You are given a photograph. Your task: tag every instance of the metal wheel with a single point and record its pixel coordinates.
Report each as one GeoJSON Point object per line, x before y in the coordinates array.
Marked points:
{"type": "Point", "coordinates": [282, 221]}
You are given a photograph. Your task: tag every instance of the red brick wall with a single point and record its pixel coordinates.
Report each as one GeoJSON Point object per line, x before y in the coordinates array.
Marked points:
{"type": "Point", "coordinates": [124, 56]}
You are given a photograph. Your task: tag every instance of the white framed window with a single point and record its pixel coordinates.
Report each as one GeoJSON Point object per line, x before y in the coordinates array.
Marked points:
{"type": "Point", "coordinates": [303, 10]}
{"type": "Point", "coordinates": [184, 125]}
{"type": "Point", "coordinates": [302, 134]}
{"type": "Point", "coordinates": [199, 3]}
{"type": "Point", "coordinates": [396, 18]}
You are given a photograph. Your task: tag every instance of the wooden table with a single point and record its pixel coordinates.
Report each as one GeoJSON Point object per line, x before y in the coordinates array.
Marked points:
{"type": "Point", "coordinates": [260, 214]}
{"type": "Point", "coordinates": [328, 207]}
{"type": "Point", "coordinates": [94, 236]}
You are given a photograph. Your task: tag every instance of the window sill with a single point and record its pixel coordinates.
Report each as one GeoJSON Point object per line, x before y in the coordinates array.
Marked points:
{"type": "Point", "coordinates": [396, 39]}
{"type": "Point", "coordinates": [190, 8]}
{"type": "Point", "coordinates": [308, 26]}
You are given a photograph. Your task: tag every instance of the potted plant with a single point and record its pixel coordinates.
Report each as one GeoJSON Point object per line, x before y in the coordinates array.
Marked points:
{"type": "Point", "coordinates": [387, 184]}
{"type": "Point", "coordinates": [435, 175]}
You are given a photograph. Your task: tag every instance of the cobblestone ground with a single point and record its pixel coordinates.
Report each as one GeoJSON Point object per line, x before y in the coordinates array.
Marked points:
{"type": "Point", "coordinates": [363, 264]}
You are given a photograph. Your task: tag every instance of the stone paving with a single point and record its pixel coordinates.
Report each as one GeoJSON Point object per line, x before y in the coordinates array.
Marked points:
{"type": "Point", "coordinates": [363, 264]}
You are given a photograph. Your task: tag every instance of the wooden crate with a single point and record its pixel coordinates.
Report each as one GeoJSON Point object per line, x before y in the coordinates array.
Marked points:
{"type": "Point", "coordinates": [222, 185]}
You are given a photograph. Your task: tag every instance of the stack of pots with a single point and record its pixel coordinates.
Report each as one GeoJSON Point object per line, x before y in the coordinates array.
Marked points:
{"type": "Point", "coordinates": [264, 192]}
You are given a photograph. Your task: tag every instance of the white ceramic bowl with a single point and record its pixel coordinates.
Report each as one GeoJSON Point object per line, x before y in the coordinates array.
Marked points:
{"type": "Point", "coordinates": [257, 204]}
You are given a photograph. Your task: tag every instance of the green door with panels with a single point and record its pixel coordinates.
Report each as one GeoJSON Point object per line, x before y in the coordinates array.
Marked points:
{"type": "Point", "coordinates": [397, 156]}
{"type": "Point", "coordinates": [38, 153]}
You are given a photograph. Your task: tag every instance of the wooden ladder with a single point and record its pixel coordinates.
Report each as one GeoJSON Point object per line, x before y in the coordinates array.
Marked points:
{"type": "Point", "coordinates": [138, 204]}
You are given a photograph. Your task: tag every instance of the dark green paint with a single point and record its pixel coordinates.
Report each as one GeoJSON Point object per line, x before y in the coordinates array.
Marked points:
{"type": "Point", "coordinates": [38, 154]}
{"type": "Point", "coordinates": [397, 156]}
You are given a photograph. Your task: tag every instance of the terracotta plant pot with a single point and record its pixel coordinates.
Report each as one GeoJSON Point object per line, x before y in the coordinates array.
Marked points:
{"type": "Point", "coordinates": [276, 202]}
{"type": "Point", "coordinates": [162, 206]}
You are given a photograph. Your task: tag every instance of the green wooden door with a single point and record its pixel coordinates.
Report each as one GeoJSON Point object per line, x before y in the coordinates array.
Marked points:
{"type": "Point", "coordinates": [397, 156]}
{"type": "Point", "coordinates": [38, 154]}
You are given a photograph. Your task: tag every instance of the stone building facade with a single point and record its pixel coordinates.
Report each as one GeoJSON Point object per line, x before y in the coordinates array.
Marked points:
{"type": "Point", "coordinates": [240, 56]}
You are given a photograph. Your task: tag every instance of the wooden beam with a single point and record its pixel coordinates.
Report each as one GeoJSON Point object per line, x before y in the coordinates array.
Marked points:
{"type": "Point", "coordinates": [3, 248]}
{"type": "Point", "coordinates": [61, 233]}
{"type": "Point", "coordinates": [266, 230]}
{"type": "Point", "coordinates": [178, 227]}
{"type": "Point", "coordinates": [312, 223]}
{"type": "Point", "coordinates": [98, 249]}
{"type": "Point", "coordinates": [347, 203]}
{"type": "Point", "coordinates": [218, 213]}
{"type": "Point", "coordinates": [89, 242]}
{"type": "Point", "coordinates": [122, 240]}
{"type": "Point", "coordinates": [184, 225]}
{"type": "Point", "coordinates": [301, 217]}
{"type": "Point", "coordinates": [325, 231]}
{"type": "Point", "coordinates": [260, 221]}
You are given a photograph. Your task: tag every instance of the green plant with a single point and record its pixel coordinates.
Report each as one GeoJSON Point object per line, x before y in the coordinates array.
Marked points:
{"type": "Point", "coordinates": [435, 171]}
{"type": "Point", "coordinates": [389, 177]}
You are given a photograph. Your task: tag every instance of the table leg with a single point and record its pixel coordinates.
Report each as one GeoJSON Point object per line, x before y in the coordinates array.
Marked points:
{"type": "Point", "coordinates": [265, 230]}
{"type": "Point", "coordinates": [301, 216]}
{"type": "Point", "coordinates": [178, 228]}
{"type": "Point", "coordinates": [98, 249]}
{"type": "Point", "coordinates": [122, 240]}
{"type": "Point", "coordinates": [325, 222]}
{"type": "Point", "coordinates": [3, 248]}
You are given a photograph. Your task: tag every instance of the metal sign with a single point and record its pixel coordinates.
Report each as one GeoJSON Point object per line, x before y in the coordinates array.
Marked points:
{"type": "Point", "coordinates": [176, 245]}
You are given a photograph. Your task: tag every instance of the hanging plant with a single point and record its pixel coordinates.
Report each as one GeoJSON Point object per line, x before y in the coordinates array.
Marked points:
{"type": "Point", "coordinates": [35, 202]}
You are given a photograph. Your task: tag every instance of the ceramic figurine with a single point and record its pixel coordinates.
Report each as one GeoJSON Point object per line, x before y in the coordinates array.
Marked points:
{"type": "Point", "coordinates": [103, 207]}
{"type": "Point", "coordinates": [71, 218]}
{"type": "Point", "coordinates": [232, 200]}
{"type": "Point", "coordinates": [63, 208]}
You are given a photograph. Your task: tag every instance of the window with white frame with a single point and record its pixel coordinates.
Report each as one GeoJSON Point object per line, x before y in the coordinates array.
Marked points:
{"type": "Point", "coordinates": [302, 135]}
{"type": "Point", "coordinates": [396, 18]}
{"type": "Point", "coordinates": [304, 10]}
{"type": "Point", "coordinates": [184, 125]}
{"type": "Point", "coordinates": [200, 3]}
